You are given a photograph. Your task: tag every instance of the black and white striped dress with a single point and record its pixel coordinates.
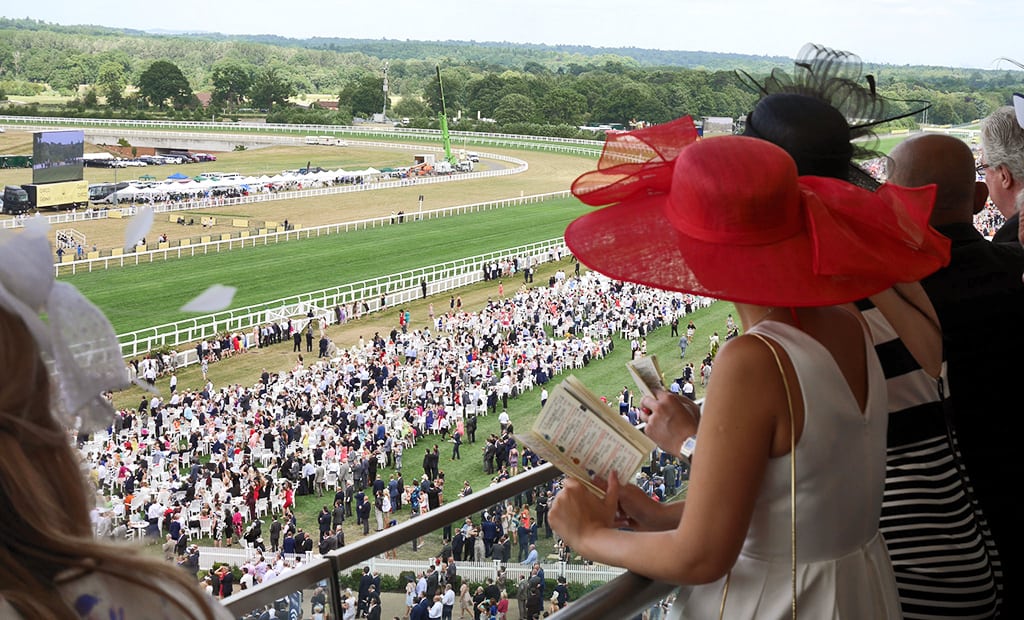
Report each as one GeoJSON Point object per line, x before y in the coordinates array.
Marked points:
{"type": "Point", "coordinates": [945, 561]}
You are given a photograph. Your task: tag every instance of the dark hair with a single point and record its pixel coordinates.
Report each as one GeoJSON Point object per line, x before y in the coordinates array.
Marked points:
{"type": "Point", "coordinates": [814, 133]}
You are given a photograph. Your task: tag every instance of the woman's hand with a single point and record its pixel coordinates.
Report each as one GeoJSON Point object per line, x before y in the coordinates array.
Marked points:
{"type": "Point", "coordinates": [638, 511]}
{"type": "Point", "coordinates": [670, 419]}
{"type": "Point", "coordinates": [577, 513]}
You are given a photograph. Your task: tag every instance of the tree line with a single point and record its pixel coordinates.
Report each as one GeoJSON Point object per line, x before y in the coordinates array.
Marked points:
{"type": "Point", "coordinates": [494, 86]}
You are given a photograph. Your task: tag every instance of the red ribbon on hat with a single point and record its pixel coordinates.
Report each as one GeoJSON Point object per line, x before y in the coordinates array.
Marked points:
{"type": "Point", "coordinates": [636, 163]}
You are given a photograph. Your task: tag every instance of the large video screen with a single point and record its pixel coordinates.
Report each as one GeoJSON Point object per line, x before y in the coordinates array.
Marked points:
{"type": "Point", "coordinates": [57, 156]}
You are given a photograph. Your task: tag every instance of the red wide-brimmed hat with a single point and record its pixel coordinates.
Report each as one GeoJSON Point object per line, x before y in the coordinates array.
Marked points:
{"type": "Point", "coordinates": [729, 218]}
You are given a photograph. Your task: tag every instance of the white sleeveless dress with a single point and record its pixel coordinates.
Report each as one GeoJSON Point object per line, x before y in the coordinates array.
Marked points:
{"type": "Point", "coordinates": [843, 570]}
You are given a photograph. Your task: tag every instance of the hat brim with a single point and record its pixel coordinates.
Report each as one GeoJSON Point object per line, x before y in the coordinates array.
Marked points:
{"type": "Point", "coordinates": [636, 242]}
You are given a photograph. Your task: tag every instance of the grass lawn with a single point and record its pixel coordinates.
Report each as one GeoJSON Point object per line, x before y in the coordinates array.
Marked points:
{"type": "Point", "coordinates": [150, 294]}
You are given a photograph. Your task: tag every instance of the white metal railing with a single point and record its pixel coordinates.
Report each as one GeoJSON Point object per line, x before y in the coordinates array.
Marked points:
{"type": "Point", "coordinates": [132, 205]}
{"type": "Point", "coordinates": [624, 596]}
{"type": "Point", "coordinates": [301, 129]}
{"type": "Point", "coordinates": [238, 242]}
{"type": "Point", "coordinates": [574, 572]}
{"type": "Point", "coordinates": [328, 567]}
{"type": "Point", "coordinates": [394, 289]}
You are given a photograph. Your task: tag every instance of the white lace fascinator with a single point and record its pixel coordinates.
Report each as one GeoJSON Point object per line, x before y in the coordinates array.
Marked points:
{"type": "Point", "coordinates": [75, 339]}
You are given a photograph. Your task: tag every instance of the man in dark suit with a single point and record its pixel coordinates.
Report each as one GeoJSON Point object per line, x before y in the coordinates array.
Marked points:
{"type": "Point", "coordinates": [491, 590]}
{"type": "Point", "coordinates": [432, 582]}
{"type": "Point", "coordinates": [420, 609]}
{"type": "Point", "coordinates": [1002, 163]}
{"type": "Point", "coordinates": [338, 514]}
{"type": "Point", "coordinates": [275, 534]}
{"type": "Point", "coordinates": [979, 291]}
{"type": "Point", "coordinates": [499, 550]}
{"type": "Point", "coordinates": [373, 607]}
{"type": "Point", "coordinates": [363, 510]}
{"type": "Point", "coordinates": [328, 543]}
{"type": "Point", "coordinates": [365, 583]}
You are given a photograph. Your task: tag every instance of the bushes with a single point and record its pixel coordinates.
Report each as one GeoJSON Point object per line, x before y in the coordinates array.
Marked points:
{"type": "Point", "coordinates": [309, 116]}
{"type": "Point", "coordinates": [387, 582]}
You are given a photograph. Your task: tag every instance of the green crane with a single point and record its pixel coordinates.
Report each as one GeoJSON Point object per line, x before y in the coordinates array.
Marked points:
{"type": "Point", "coordinates": [443, 119]}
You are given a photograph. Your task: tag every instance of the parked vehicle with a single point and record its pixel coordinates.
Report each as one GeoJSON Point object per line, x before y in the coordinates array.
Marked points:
{"type": "Point", "coordinates": [15, 200]}
{"type": "Point", "coordinates": [99, 191]}
{"type": "Point", "coordinates": [65, 195]}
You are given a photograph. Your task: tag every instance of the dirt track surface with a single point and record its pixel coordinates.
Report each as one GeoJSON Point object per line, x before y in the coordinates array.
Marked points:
{"type": "Point", "coordinates": [547, 173]}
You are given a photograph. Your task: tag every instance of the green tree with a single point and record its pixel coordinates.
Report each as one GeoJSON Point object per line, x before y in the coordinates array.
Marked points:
{"type": "Point", "coordinates": [482, 95]}
{"type": "Point", "coordinates": [629, 102]}
{"type": "Point", "coordinates": [232, 82]}
{"type": "Point", "coordinates": [111, 82]}
{"type": "Point", "coordinates": [563, 106]}
{"type": "Point", "coordinates": [515, 108]}
{"type": "Point", "coordinates": [269, 87]}
{"type": "Point", "coordinates": [411, 107]}
{"type": "Point", "coordinates": [365, 96]}
{"type": "Point", "coordinates": [72, 72]}
{"type": "Point", "coordinates": [163, 80]}
{"type": "Point", "coordinates": [89, 99]}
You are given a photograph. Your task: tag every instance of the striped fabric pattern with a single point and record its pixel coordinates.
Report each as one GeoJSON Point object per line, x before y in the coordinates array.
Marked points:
{"type": "Point", "coordinates": [945, 563]}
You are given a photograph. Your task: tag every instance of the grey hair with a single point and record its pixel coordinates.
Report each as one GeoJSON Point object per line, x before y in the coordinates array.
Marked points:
{"type": "Point", "coordinates": [1002, 138]}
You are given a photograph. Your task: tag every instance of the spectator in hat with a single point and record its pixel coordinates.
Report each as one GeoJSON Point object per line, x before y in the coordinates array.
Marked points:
{"type": "Point", "coordinates": [698, 218]}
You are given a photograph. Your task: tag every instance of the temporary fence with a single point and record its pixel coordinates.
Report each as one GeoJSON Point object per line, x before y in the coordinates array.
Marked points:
{"type": "Point", "coordinates": [376, 294]}
{"type": "Point", "coordinates": [277, 233]}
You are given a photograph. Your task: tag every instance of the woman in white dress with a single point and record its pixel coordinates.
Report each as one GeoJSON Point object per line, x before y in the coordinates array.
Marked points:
{"type": "Point", "coordinates": [729, 218]}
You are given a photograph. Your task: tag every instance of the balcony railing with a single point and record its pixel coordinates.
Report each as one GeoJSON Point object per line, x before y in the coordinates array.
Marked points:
{"type": "Point", "coordinates": [622, 597]}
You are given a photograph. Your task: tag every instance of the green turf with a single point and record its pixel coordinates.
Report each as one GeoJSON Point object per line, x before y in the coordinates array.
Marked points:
{"type": "Point", "coordinates": [147, 295]}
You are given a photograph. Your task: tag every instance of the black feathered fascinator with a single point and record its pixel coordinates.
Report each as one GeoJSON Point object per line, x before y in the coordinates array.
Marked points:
{"type": "Point", "coordinates": [824, 112]}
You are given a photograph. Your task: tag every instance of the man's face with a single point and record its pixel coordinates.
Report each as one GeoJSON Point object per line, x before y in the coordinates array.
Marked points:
{"type": "Point", "coordinates": [1000, 185]}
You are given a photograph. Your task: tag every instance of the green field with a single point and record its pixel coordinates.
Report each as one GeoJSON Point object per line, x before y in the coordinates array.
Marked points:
{"type": "Point", "coordinates": [147, 295]}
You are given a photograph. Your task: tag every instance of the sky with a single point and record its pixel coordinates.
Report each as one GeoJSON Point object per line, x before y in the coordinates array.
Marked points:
{"type": "Point", "coordinates": [953, 33]}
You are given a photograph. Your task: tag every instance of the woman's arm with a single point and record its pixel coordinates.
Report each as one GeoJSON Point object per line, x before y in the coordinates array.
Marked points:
{"type": "Point", "coordinates": [907, 308]}
{"type": "Point", "coordinates": [745, 401]}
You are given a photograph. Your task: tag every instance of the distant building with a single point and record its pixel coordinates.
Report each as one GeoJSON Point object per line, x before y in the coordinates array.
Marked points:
{"type": "Point", "coordinates": [717, 125]}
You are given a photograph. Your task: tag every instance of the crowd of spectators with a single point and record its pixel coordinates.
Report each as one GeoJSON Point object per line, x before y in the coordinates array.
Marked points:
{"type": "Point", "coordinates": [339, 426]}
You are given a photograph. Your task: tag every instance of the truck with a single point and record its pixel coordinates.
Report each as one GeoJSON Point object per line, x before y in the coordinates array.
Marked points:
{"type": "Point", "coordinates": [65, 195]}
{"type": "Point", "coordinates": [15, 200]}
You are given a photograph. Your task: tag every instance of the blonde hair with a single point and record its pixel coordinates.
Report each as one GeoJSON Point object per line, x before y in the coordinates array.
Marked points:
{"type": "Point", "coordinates": [47, 536]}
